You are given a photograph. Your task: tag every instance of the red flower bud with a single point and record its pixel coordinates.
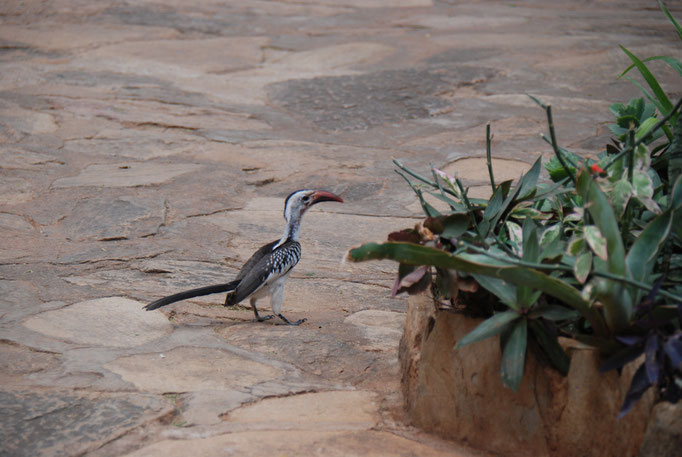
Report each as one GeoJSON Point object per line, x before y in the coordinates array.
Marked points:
{"type": "Point", "coordinates": [597, 170]}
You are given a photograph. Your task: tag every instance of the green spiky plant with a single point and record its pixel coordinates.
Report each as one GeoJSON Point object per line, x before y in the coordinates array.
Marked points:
{"type": "Point", "coordinates": [594, 255]}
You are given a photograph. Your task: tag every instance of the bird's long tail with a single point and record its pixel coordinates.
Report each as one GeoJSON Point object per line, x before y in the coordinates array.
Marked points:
{"type": "Point", "coordinates": [227, 287]}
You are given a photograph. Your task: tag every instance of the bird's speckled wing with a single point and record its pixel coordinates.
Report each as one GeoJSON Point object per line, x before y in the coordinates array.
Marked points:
{"type": "Point", "coordinates": [267, 269]}
{"type": "Point", "coordinates": [253, 260]}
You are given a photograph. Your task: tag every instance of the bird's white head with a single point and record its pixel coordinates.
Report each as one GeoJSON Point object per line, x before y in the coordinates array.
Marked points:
{"type": "Point", "coordinates": [297, 203]}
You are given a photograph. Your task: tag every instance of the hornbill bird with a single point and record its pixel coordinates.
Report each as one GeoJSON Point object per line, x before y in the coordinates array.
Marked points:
{"type": "Point", "coordinates": [266, 271]}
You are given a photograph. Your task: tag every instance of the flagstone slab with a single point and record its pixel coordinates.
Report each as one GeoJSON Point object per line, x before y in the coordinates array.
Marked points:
{"type": "Point", "coordinates": [188, 369]}
{"type": "Point", "coordinates": [319, 410]}
{"type": "Point", "coordinates": [147, 147]}
{"type": "Point", "coordinates": [298, 442]}
{"type": "Point", "coordinates": [381, 330]}
{"type": "Point", "coordinates": [109, 322]}
{"type": "Point", "coordinates": [360, 102]}
{"type": "Point", "coordinates": [180, 58]}
{"type": "Point", "coordinates": [109, 218]}
{"type": "Point", "coordinates": [125, 174]}
{"type": "Point", "coordinates": [64, 423]}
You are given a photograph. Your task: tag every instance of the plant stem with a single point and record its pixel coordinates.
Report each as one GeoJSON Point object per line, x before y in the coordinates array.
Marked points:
{"type": "Point", "coordinates": [488, 141]}
{"type": "Point", "coordinates": [631, 154]}
{"type": "Point", "coordinates": [435, 179]}
{"type": "Point", "coordinates": [552, 134]}
{"type": "Point", "coordinates": [471, 209]}
{"type": "Point", "coordinates": [421, 178]}
{"type": "Point", "coordinates": [563, 151]}
{"type": "Point", "coordinates": [542, 266]}
{"type": "Point", "coordinates": [627, 213]}
{"type": "Point", "coordinates": [557, 150]}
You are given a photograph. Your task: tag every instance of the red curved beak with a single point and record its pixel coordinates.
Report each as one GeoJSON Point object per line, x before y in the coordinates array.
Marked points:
{"type": "Point", "coordinates": [323, 196]}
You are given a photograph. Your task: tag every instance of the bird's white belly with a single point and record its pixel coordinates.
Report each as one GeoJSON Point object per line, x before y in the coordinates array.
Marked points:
{"type": "Point", "coordinates": [270, 286]}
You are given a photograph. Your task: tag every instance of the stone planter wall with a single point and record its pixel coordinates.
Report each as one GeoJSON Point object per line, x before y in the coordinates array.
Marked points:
{"type": "Point", "coordinates": [459, 395]}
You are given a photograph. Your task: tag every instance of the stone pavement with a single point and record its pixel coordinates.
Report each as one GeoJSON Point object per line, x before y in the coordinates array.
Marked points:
{"type": "Point", "coordinates": [146, 147]}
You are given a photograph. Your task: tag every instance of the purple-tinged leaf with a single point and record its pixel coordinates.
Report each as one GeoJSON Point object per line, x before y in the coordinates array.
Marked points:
{"type": "Point", "coordinates": [640, 383]}
{"type": "Point", "coordinates": [407, 236]}
{"type": "Point", "coordinates": [414, 282]}
{"type": "Point", "coordinates": [651, 361]}
{"type": "Point", "coordinates": [621, 358]}
{"type": "Point", "coordinates": [673, 349]}
{"type": "Point", "coordinates": [629, 340]}
{"type": "Point", "coordinates": [647, 302]}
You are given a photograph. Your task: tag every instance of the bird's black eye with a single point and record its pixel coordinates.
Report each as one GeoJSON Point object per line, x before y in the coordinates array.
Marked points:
{"type": "Point", "coordinates": [306, 199]}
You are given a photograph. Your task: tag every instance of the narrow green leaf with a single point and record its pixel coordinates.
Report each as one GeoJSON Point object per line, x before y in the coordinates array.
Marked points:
{"type": "Point", "coordinates": [550, 345]}
{"type": "Point", "coordinates": [529, 181]}
{"type": "Point", "coordinates": [553, 313]}
{"type": "Point", "coordinates": [555, 189]}
{"type": "Point", "coordinates": [646, 248]}
{"type": "Point", "coordinates": [615, 297]}
{"type": "Point", "coordinates": [422, 255]}
{"type": "Point", "coordinates": [604, 218]}
{"type": "Point", "coordinates": [645, 127]}
{"type": "Point", "coordinates": [583, 266]}
{"type": "Point", "coordinates": [501, 289]}
{"type": "Point", "coordinates": [675, 152]}
{"type": "Point", "coordinates": [647, 94]}
{"type": "Point", "coordinates": [523, 211]}
{"type": "Point", "coordinates": [455, 224]}
{"type": "Point", "coordinates": [455, 205]}
{"type": "Point", "coordinates": [596, 241]}
{"type": "Point", "coordinates": [531, 246]}
{"type": "Point", "coordinates": [511, 196]}
{"type": "Point", "coordinates": [671, 18]}
{"type": "Point", "coordinates": [428, 209]}
{"type": "Point", "coordinates": [494, 205]}
{"type": "Point", "coordinates": [489, 327]}
{"type": "Point", "coordinates": [651, 80]}
{"type": "Point", "coordinates": [673, 63]}
{"type": "Point", "coordinates": [527, 297]}
{"type": "Point", "coordinates": [514, 355]}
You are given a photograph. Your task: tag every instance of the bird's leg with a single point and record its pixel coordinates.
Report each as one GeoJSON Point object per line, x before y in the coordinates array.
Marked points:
{"type": "Point", "coordinates": [277, 300]}
{"type": "Point", "coordinates": [288, 322]}
{"type": "Point", "coordinates": [255, 311]}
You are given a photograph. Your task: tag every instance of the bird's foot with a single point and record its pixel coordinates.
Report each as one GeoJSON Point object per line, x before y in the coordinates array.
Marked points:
{"type": "Point", "coordinates": [288, 322]}
{"type": "Point", "coordinates": [264, 318]}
